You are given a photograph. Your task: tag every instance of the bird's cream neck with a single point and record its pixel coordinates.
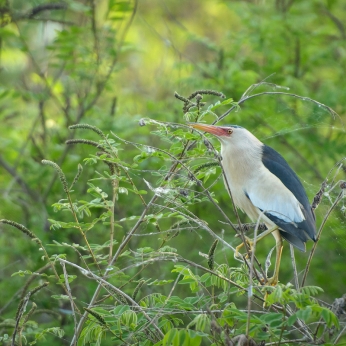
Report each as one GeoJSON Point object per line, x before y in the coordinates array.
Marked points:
{"type": "Point", "coordinates": [241, 158]}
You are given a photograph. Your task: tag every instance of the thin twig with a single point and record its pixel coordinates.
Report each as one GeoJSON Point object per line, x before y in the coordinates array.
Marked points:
{"type": "Point", "coordinates": [250, 293]}
{"type": "Point", "coordinates": [67, 284]}
{"type": "Point", "coordinates": [105, 283]}
{"type": "Point", "coordinates": [294, 265]}
{"type": "Point", "coordinates": [312, 252]}
{"type": "Point", "coordinates": [303, 98]}
{"type": "Point", "coordinates": [339, 335]}
{"type": "Point", "coordinates": [21, 309]}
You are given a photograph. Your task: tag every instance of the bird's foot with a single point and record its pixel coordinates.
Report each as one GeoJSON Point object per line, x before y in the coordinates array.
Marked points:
{"type": "Point", "coordinates": [273, 281]}
{"type": "Point", "coordinates": [248, 241]}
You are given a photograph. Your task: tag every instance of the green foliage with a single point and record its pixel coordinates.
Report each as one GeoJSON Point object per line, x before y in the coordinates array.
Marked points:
{"type": "Point", "coordinates": [205, 314]}
{"type": "Point", "coordinates": [177, 337]}
{"type": "Point", "coordinates": [131, 225]}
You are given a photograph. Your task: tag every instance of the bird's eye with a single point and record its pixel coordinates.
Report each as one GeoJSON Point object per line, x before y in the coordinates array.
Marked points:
{"type": "Point", "coordinates": [230, 131]}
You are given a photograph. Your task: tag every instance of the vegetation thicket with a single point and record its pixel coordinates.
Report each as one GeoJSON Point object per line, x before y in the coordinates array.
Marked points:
{"type": "Point", "coordinates": [115, 225]}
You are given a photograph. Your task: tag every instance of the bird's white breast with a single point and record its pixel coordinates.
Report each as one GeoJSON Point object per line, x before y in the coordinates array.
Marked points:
{"type": "Point", "coordinates": [240, 174]}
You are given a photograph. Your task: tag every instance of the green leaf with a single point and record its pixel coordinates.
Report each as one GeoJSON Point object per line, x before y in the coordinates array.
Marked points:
{"type": "Point", "coordinates": [304, 314]}
{"type": "Point", "coordinates": [120, 309]}
{"type": "Point", "coordinates": [50, 331]}
{"type": "Point", "coordinates": [144, 250]}
{"type": "Point", "coordinates": [330, 319]}
{"type": "Point", "coordinates": [129, 319]}
{"type": "Point", "coordinates": [271, 317]}
{"type": "Point", "coordinates": [157, 282]}
{"type": "Point", "coordinates": [291, 320]}
{"type": "Point", "coordinates": [142, 192]}
{"type": "Point", "coordinates": [61, 297]}
{"type": "Point", "coordinates": [196, 337]}
{"type": "Point", "coordinates": [139, 192]}
{"type": "Point", "coordinates": [311, 290]}
{"type": "Point", "coordinates": [177, 302]}
{"type": "Point", "coordinates": [168, 249]}
{"type": "Point", "coordinates": [205, 277]}
{"type": "Point", "coordinates": [131, 218]}
{"type": "Point", "coordinates": [123, 190]}
{"type": "Point", "coordinates": [70, 278]}
{"type": "Point", "coordinates": [201, 322]}
{"type": "Point", "coordinates": [171, 338]}
{"type": "Point", "coordinates": [187, 280]}
{"type": "Point", "coordinates": [22, 273]}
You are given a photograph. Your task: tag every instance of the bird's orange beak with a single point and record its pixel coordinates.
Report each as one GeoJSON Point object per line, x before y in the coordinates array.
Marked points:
{"type": "Point", "coordinates": [214, 130]}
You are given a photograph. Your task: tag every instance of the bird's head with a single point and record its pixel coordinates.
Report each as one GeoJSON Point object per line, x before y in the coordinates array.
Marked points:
{"type": "Point", "coordinates": [223, 133]}
{"type": "Point", "coordinates": [233, 138]}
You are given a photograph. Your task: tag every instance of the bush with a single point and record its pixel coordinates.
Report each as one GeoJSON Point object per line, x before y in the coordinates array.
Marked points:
{"type": "Point", "coordinates": [136, 297]}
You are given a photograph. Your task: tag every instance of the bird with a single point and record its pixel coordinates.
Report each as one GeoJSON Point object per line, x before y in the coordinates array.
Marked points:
{"type": "Point", "coordinates": [263, 185]}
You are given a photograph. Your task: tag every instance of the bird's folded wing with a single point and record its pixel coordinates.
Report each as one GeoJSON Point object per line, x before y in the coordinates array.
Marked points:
{"type": "Point", "coordinates": [275, 199]}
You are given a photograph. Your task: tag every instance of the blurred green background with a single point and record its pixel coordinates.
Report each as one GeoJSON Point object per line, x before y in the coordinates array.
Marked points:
{"type": "Point", "coordinates": [110, 63]}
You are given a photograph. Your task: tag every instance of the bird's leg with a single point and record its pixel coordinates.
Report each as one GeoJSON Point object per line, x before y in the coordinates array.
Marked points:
{"type": "Point", "coordinates": [258, 238]}
{"type": "Point", "coordinates": [275, 278]}
{"type": "Point", "coordinates": [248, 241]}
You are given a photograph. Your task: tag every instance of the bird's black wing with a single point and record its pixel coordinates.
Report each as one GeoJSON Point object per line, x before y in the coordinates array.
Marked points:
{"type": "Point", "coordinates": [297, 234]}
